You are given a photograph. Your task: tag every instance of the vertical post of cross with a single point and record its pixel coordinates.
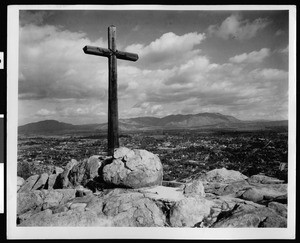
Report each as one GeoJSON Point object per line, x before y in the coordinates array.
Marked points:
{"type": "Point", "coordinates": [113, 130]}
{"type": "Point", "coordinates": [112, 54]}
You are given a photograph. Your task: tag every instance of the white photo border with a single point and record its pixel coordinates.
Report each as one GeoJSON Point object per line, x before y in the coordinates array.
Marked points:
{"type": "Point", "coordinates": [14, 232]}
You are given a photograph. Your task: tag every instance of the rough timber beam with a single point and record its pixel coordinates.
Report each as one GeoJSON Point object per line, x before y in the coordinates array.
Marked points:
{"type": "Point", "coordinates": [112, 54]}
{"type": "Point", "coordinates": [104, 52]}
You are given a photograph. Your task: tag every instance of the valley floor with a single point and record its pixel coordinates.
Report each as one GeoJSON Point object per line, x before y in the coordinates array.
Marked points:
{"type": "Point", "coordinates": [184, 154]}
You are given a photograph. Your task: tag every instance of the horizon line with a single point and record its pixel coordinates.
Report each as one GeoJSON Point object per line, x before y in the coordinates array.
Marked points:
{"type": "Point", "coordinates": [160, 118]}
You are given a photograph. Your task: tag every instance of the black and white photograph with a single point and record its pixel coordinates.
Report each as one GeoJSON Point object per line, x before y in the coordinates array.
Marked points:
{"type": "Point", "coordinates": [1, 163]}
{"type": "Point", "coordinates": [151, 122]}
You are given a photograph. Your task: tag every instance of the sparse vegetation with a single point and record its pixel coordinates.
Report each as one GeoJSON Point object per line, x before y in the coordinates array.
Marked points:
{"type": "Point", "coordinates": [184, 153]}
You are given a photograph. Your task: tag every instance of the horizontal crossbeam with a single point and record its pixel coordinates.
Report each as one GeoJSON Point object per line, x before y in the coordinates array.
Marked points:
{"type": "Point", "coordinates": [104, 52]}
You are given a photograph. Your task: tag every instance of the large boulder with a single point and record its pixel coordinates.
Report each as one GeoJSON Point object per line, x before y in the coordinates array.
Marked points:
{"type": "Point", "coordinates": [133, 169]}
{"type": "Point", "coordinates": [225, 182]}
{"type": "Point", "coordinates": [244, 218]}
{"type": "Point", "coordinates": [266, 192]}
{"type": "Point", "coordinates": [223, 175]}
{"type": "Point", "coordinates": [220, 198]}
{"type": "Point", "coordinates": [189, 211]}
{"type": "Point", "coordinates": [123, 152]}
{"type": "Point", "coordinates": [132, 209]}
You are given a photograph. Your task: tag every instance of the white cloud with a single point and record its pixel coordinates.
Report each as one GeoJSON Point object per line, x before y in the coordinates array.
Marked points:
{"type": "Point", "coordinates": [44, 112]}
{"type": "Point", "coordinates": [199, 85]}
{"type": "Point", "coordinates": [252, 57]}
{"type": "Point", "coordinates": [145, 109]}
{"type": "Point", "coordinates": [53, 65]}
{"type": "Point", "coordinates": [86, 109]}
{"type": "Point", "coordinates": [171, 76]}
{"type": "Point", "coordinates": [165, 51]}
{"type": "Point", "coordinates": [284, 50]}
{"type": "Point", "coordinates": [269, 74]}
{"type": "Point", "coordinates": [236, 27]}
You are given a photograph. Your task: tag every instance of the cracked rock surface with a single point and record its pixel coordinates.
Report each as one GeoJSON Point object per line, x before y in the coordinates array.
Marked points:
{"type": "Point", "coordinates": [126, 191]}
{"type": "Point", "coordinates": [133, 169]}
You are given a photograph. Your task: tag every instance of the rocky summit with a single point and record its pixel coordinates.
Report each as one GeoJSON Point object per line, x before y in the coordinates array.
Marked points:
{"type": "Point", "coordinates": [126, 190]}
{"type": "Point", "coordinates": [133, 168]}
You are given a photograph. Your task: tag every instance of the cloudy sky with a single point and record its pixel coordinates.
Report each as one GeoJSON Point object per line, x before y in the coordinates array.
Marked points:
{"type": "Point", "coordinates": [231, 62]}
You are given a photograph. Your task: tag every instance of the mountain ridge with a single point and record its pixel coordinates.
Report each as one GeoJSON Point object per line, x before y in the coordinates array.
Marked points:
{"type": "Point", "coordinates": [204, 120]}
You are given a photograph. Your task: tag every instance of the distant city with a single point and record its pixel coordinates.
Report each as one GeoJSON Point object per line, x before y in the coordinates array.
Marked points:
{"type": "Point", "coordinates": [184, 153]}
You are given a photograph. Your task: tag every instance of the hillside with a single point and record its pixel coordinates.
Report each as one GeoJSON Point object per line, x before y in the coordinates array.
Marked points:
{"type": "Point", "coordinates": [190, 121]}
{"type": "Point", "coordinates": [53, 126]}
{"type": "Point", "coordinates": [45, 126]}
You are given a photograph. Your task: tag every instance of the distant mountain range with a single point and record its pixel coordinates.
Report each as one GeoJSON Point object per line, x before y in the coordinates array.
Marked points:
{"type": "Point", "coordinates": [191, 121]}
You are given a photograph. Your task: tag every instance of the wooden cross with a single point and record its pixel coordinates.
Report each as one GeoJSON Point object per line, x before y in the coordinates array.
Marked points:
{"type": "Point", "coordinates": [113, 54]}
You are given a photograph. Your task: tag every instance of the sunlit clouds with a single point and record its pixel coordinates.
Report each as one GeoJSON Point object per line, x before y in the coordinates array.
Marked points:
{"type": "Point", "coordinates": [174, 74]}
{"type": "Point", "coordinates": [252, 57]}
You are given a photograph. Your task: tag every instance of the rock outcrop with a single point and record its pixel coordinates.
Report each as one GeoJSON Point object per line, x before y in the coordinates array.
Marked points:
{"type": "Point", "coordinates": [20, 182]}
{"type": "Point", "coordinates": [38, 182]}
{"type": "Point", "coordinates": [133, 169]}
{"type": "Point", "coordinates": [194, 188]}
{"type": "Point", "coordinates": [29, 183]}
{"type": "Point", "coordinates": [223, 176]}
{"type": "Point", "coordinates": [41, 182]}
{"type": "Point", "coordinates": [27, 169]}
{"type": "Point", "coordinates": [264, 179]}
{"type": "Point", "coordinates": [189, 211]}
{"type": "Point", "coordinates": [127, 190]}
{"type": "Point", "coordinates": [260, 217]}
{"type": "Point", "coordinates": [62, 180]}
{"type": "Point", "coordinates": [69, 218]}
{"type": "Point", "coordinates": [132, 209]}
